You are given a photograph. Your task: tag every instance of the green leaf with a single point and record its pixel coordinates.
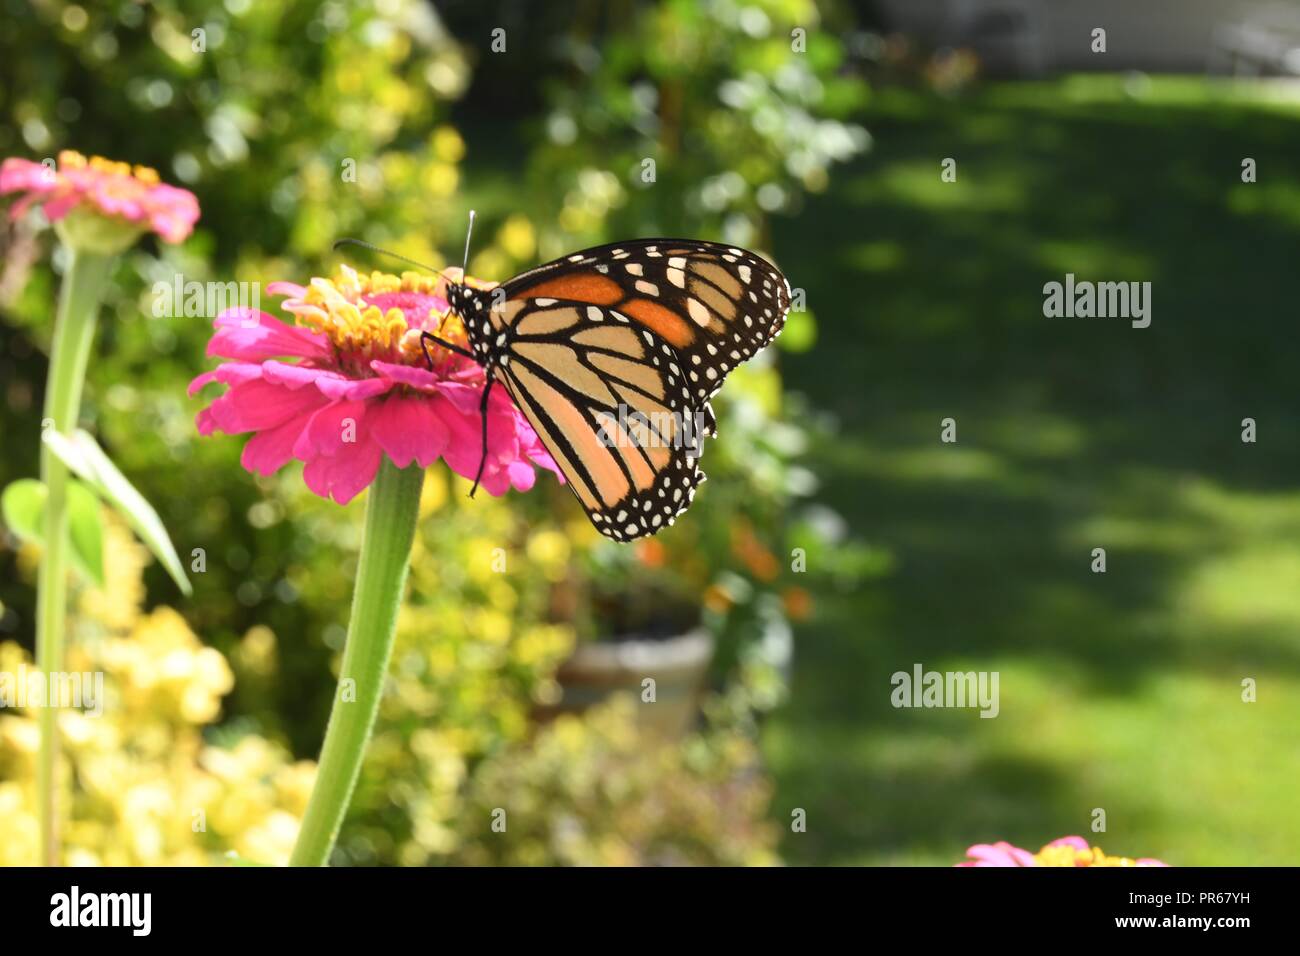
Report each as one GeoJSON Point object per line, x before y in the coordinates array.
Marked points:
{"type": "Point", "coordinates": [86, 531]}
{"type": "Point", "coordinates": [82, 454]}
{"type": "Point", "coordinates": [23, 505]}
{"type": "Point", "coordinates": [800, 332]}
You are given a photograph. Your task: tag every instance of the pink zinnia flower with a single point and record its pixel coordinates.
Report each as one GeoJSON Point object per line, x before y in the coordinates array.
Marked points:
{"type": "Point", "coordinates": [349, 383]}
{"type": "Point", "coordinates": [998, 854]}
{"type": "Point", "coordinates": [1067, 851]}
{"type": "Point", "coordinates": [131, 196]}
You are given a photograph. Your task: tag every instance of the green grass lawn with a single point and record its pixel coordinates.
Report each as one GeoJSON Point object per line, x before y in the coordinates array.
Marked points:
{"type": "Point", "coordinates": [1119, 690]}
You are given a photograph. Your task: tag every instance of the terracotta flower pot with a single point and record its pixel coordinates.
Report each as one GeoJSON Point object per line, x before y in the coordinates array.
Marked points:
{"type": "Point", "coordinates": [677, 666]}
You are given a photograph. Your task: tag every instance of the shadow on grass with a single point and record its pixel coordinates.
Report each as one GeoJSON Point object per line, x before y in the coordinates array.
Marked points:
{"type": "Point", "coordinates": [1072, 434]}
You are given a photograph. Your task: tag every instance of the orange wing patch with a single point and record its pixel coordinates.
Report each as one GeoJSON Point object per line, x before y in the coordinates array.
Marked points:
{"type": "Point", "coordinates": [660, 320]}
{"type": "Point", "coordinates": [582, 287]}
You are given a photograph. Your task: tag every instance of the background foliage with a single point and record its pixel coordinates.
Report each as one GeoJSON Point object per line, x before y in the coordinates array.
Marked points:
{"type": "Point", "coordinates": [927, 298]}
{"type": "Point", "coordinates": [302, 122]}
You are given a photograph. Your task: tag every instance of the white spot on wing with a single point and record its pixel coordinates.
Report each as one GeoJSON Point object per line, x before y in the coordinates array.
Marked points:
{"type": "Point", "coordinates": [698, 313]}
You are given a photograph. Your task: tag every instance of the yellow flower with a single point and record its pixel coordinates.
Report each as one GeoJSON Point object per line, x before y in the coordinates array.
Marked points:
{"type": "Point", "coordinates": [117, 604]}
{"type": "Point", "coordinates": [257, 650]}
{"type": "Point", "coordinates": [149, 791]}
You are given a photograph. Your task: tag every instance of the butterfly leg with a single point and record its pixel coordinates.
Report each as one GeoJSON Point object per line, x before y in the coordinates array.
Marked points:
{"type": "Point", "coordinates": [427, 337]}
{"type": "Point", "coordinates": [483, 413]}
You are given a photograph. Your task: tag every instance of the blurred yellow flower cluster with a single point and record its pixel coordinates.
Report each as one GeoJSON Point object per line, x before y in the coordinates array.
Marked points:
{"type": "Point", "coordinates": [487, 620]}
{"type": "Point", "coordinates": [594, 791]}
{"type": "Point", "coordinates": [141, 785]}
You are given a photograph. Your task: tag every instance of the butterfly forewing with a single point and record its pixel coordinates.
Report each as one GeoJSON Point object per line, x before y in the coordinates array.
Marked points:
{"type": "Point", "coordinates": [612, 355]}
{"type": "Point", "coordinates": [716, 305]}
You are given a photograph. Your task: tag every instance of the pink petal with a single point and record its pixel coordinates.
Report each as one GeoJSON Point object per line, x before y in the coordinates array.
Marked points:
{"type": "Point", "coordinates": [350, 389]}
{"type": "Point", "coordinates": [229, 373]}
{"type": "Point", "coordinates": [342, 477]}
{"type": "Point", "coordinates": [533, 448]}
{"type": "Point", "coordinates": [503, 426]}
{"type": "Point", "coordinates": [1000, 854]}
{"type": "Point", "coordinates": [60, 206]}
{"type": "Point", "coordinates": [294, 376]}
{"type": "Point", "coordinates": [1078, 842]}
{"type": "Point", "coordinates": [420, 378]}
{"type": "Point", "coordinates": [495, 481]}
{"type": "Point", "coordinates": [196, 386]}
{"type": "Point", "coordinates": [334, 430]}
{"type": "Point", "coordinates": [17, 173]}
{"type": "Point", "coordinates": [464, 450]}
{"type": "Point", "coordinates": [172, 230]}
{"type": "Point", "coordinates": [115, 205]}
{"type": "Point", "coordinates": [255, 337]}
{"type": "Point", "coordinates": [522, 476]}
{"type": "Point", "coordinates": [269, 451]}
{"type": "Point", "coordinates": [257, 405]}
{"type": "Point", "coordinates": [204, 422]}
{"type": "Point", "coordinates": [409, 429]}
{"type": "Point", "coordinates": [466, 398]}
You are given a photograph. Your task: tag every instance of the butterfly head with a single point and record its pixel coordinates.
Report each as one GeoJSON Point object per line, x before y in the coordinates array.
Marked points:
{"type": "Point", "coordinates": [460, 298]}
{"type": "Point", "coordinates": [473, 306]}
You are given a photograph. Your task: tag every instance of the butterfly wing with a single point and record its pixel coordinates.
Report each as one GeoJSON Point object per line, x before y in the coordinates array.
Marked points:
{"type": "Point", "coordinates": [612, 355]}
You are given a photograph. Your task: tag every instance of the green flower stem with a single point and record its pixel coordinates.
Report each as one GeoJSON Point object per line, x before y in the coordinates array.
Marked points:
{"type": "Point", "coordinates": [381, 578]}
{"type": "Point", "coordinates": [74, 331]}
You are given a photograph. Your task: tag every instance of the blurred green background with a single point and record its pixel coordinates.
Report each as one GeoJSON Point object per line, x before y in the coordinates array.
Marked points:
{"type": "Point", "coordinates": [838, 540]}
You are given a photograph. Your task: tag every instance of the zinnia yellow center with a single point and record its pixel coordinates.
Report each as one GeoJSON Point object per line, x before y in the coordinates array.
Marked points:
{"type": "Point", "coordinates": [71, 159]}
{"type": "Point", "coordinates": [1070, 856]}
{"type": "Point", "coordinates": [361, 330]}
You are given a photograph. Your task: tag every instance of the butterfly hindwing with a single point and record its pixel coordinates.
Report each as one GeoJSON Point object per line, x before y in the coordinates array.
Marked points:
{"type": "Point", "coordinates": [610, 402]}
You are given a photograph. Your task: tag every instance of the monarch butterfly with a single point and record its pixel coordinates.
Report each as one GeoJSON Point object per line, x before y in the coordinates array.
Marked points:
{"type": "Point", "coordinates": [613, 353]}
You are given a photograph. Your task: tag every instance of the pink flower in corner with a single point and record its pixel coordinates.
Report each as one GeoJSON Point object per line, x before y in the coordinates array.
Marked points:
{"type": "Point", "coordinates": [350, 384]}
{"type": "Point", "coordinates": [132, 197]}
{"type": "Point", "coordinates": [1067, 851]}
{"type": "Point", "coordinates": [998, 854]}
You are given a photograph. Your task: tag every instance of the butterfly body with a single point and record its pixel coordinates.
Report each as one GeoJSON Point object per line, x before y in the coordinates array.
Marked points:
{"type": "Point", "coordinates": [613, 353]}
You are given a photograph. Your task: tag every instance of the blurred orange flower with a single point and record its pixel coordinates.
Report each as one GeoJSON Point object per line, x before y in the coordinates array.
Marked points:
{"type": "Point", "coordinates": [717, 599]}
{"type": "Point", "coordinates": [746, 546]}
{"type": "Point", "coordinates": [651, 552]}
{"type": "Point", "coordinates": [798, 603]}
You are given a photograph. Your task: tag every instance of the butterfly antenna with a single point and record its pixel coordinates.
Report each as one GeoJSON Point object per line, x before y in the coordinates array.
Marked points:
{"type": "Point", "coordinates": [468, 232]}
{"type": "Point", "coordinates": [386, 252]}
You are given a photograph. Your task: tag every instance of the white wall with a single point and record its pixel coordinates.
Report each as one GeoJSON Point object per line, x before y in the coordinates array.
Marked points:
{"type": "Point", "coordinates": [1154, 35]}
